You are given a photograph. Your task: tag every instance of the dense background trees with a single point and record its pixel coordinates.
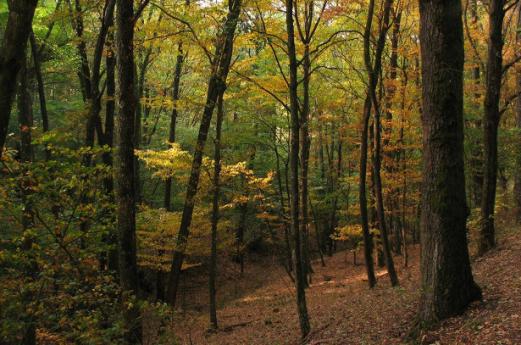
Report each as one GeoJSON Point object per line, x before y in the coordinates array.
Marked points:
{"type": "Point", "coordinates": [117, 179]}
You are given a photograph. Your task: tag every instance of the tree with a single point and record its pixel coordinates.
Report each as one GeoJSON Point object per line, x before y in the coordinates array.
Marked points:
{"type": "Point", "coordinates": [124, 169]}
{"type": "Point", "coordinates": [517, 173]}
{"type": "Point", "coordinates": [12, 53]}
{"type": "Point", "coordinates": [446, 276]}
{"type": "Point", "coordinates": [215, 210]}
{"type": "Point", "coordinates": [491, 119]}
{"type": "Point", "coordinates": [217, 83]}
{"type": "Point", "coordinates": [294, 173]}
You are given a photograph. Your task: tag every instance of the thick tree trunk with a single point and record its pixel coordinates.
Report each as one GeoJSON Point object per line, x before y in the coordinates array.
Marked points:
{"type": "Point", "coordinates": [447, 283]}
{"type": "Point", "coordinates": [216, 85]}
{"type": "Point", "coordinates": [125, 193]}
{"type": "Point", "coordinates": [491, 119]}
{"type": "Point", "coordinates": [12, 52]}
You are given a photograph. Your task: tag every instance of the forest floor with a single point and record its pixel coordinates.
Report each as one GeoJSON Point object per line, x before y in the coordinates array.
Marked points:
{"type": "Point", "coordinates": [344, 311]}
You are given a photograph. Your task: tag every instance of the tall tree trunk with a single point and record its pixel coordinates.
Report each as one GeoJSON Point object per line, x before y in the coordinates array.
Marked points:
{"type": "Point", "coordinates": [517, 173]}
{"type": "Point", "coordinates": [25, 121]}
{"type": "Point", "coordinates": [446, 277]}
{"type": "Point", "coordinates": [94, 119]}
{"type": "Point", "coordinates": [491, 119]}
{"type": "Point", "coordinates": [289, 259]}
{"type": "Point", "coordinates": [215, 211]}
{"type": "Point", "coordinates": [300, 278]}
{"type": "Point", "coordinates": [476, 154]}
{"type": "Point", "coordinates": [25, 113]}
{"type": "Point", "coordinates": [83, 69]}
{"type": "Point", "coordinates": [125, 193]}
{"type": "Point", "coordinates": [304, 161]}
{"type": "Point", "coordinates": [41, 89]}
{"type": "Point", "coordinates": [108, 140]}
{"type": "Point", "coordinates": [173, 118]}
{"type": "Point", "coordinates": [362, 195]}
{"type": "Point", "coordinates": [373, 73]}
{"type": "Point", "coordinates": [12, 52]}
{"type": "Point", "coordinates": [216, 85]}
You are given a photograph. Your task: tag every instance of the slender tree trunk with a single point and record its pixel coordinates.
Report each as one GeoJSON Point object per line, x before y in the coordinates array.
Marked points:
{"type": "Point", "coordinates": [108, 140]}
{"type": "Point", "coordinates": [25, 121]}
{"type": "Point", "coordinates": [216, 85]}
{"type": "Point", "coordinates": [364, 218]}
{"type": "Point", "coordinates": [12, 52]}
{"type": "Point", "coordinates": [83, 69]}
{"type": "Point", "coordinates": [41, 89]}
{"type": "Point", "coordinates": [447, 283]}
{"type": "Point", "coordinates": [215, 211]}
{"type": "Point", "coordinates": [517, 173]}
{"type": "Point", "coordinates": [25, 113]}
{"type": "Point", "coordinates": [304, 161]}
{"type": "Point", "coordinates": [294, 173]}
{"type": "Point", "coordinates": [491, 119]}
{"type": "Point", "coordinates": [94, 77]}
{"type": "Point", "coordinates": [289, 260]}
{"type": "Point", "coordinates": [476, 154]}
{"type": "Point", "coordinates": [380, 212]}
{"type": "Point", "coordinates": [125, 193]}
{"type": "Point", "coordinates": [173, 118]}
{"type": "Point", "coordinates": [137, 129]}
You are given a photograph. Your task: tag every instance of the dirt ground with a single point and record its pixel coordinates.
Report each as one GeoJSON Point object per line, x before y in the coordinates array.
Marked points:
{"type": "Point", "coordinates": [344, 311]}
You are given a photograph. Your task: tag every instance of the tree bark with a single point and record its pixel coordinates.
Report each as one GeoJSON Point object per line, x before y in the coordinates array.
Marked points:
{"type": "Point", "coordinates": [215, 212]}
{"type": "Point", "coordinates": [94, 119]}
{"type": "Point", "coordinates": [216, 85]}
{"type": "Point", "coordinates": [294, 173]}
{"type": "Point", "coordinates": [41, 89]}
{"type": "Point", "coordinates": [12, 53]}
{"type": "Point", "coordinates": [125, 193]}
{"type": "Point", "coordinates": [491, 119]}
{"type": "Point", "coordinates": [25, 113]}
{"type": "Point", "coordinates": [517, 173]}
{"type": "Point", "coordinates": [173, 118]}
{"type": "Point", "coordinates": [446, 277]}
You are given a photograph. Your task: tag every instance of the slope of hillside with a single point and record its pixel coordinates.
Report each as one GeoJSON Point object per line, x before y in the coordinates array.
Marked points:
{"type": "Point", "coordinates": [344, 311]}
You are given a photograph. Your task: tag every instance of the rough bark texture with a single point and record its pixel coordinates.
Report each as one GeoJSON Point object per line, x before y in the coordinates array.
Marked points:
{"type": "Point", "coordinates": [300, 278]}
{"type": "Point", "coordinates": [12, 52]}
{"type": "Point", "coordinates": [125, 194]}
{"type": "Point", "coordinates": [216, 85]}
{"type": "Point", "coordinates": [491, 124]}
{"type": "Point", "coordinates": [447, 283]}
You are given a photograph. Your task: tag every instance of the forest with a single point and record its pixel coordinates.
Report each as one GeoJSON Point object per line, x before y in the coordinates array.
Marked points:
{"type": "Point", "coordinates": [260, 172]}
